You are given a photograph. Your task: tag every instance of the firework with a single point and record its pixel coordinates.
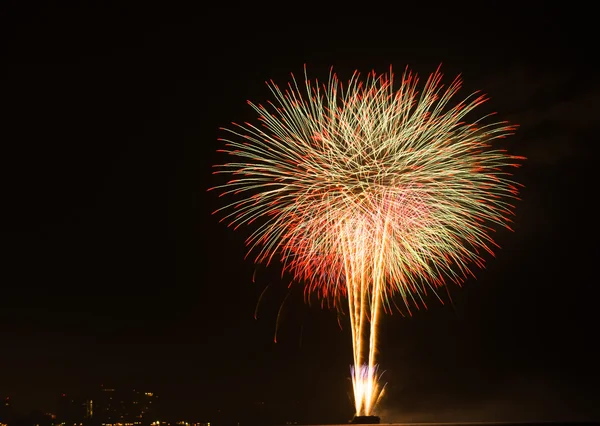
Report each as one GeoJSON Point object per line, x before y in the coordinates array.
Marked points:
{"type": "Point", "coordinates": [369, 192]}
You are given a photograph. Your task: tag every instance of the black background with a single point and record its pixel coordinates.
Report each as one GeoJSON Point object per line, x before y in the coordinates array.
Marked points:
{"type": "Point", "coordinates": [114, 270]}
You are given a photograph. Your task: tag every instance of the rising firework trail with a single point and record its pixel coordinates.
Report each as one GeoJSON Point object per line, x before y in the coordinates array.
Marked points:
{"type": "Point", "coordinates": [369, 192]}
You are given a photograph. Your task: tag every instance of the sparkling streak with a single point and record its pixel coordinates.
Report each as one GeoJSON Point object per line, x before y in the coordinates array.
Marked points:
{"type": "Point", "coordinates": [370, 191]}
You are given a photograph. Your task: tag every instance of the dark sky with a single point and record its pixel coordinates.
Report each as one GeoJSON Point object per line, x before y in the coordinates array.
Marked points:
{"type": "Point", "coordinates": [114, 270]}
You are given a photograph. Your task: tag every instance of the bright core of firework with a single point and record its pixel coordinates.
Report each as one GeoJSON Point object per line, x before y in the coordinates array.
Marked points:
{"type": "Point", "coordinates": [369, 191]}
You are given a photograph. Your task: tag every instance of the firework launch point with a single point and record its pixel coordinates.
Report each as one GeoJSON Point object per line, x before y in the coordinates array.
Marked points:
{"type": "Point", "coordinates": [366, 420]}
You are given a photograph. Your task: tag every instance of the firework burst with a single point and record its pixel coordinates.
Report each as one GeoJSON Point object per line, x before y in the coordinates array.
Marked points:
{"type": "Point", "coordinates": [370, 191]}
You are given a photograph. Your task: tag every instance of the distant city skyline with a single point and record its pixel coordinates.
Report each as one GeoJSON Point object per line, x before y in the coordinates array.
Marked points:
{"type": "Point", "coordinates": [103, 406]}
{"type": "Point", "coordinates": [112, 406]}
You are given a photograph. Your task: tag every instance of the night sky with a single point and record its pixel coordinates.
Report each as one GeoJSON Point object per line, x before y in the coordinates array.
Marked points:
{"type": "Point", "coordinates": [115, 271]}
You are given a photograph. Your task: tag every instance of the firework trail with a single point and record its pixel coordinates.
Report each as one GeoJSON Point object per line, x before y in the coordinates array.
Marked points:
{"type": "Point", "coordinates": [369, 191]}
